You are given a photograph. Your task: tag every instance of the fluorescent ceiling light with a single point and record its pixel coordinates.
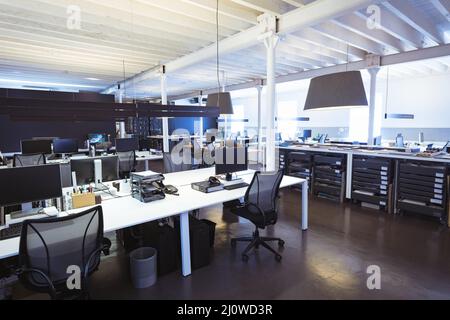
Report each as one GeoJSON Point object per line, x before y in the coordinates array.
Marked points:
{"type": "Point", "coordinates": [93, 79]}
{"type": "Point", "coordinates": [47, 84]}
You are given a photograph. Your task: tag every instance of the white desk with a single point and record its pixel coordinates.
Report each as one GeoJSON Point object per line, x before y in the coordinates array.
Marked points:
{"type": "Point", "coordinates": [119, 213]}
{"type": "Point", "coordinates": [147, 156]}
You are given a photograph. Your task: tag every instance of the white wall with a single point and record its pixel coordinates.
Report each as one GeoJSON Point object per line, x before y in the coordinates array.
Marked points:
{"type": "Point", "coordinates": [428, 98]}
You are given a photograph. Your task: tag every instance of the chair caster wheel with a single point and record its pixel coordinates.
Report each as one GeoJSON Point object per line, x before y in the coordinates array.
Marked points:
{"type": "Point", "coordinates": [244, 257]}
{"type": "Point", "coordinates": [281, 243]}
{"type": "Point", "coordinates": [233, 243]}
{"type": "Point", "coordinates": [278, 257]}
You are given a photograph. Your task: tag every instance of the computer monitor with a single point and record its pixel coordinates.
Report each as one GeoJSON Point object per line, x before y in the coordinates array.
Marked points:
{"type": "Point", "coordinates": [27, 184]}
{"type": "Point", "coordinates": [65, 146]}
{"type": "Point", "coordinates": [278, 137]}
{"type": "Point", "coordinates": [230, 160]}
{"type": "Point", "coordinates": [307, 134]}
{"type": "Point", "coordinates": [145, 144]}
{"type": "Point", "coordinates": [127, 144]}
{"type": "Point", "coordinates": [95, 138]}
{"type": "Point", "coordinates": [36, 146]}
{"type": "Point", "coordinates": [85, 169]}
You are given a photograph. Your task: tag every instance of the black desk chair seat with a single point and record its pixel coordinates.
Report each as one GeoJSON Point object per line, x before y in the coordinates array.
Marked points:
{"type": "Point", "coordinates": [51, 247]}
{"type": "Point", "coordinates": [260, 207]}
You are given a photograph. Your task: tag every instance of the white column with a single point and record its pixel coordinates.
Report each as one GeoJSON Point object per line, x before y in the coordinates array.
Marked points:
{"type": "Point", "coordinates": [271, 43]}
{"type": "Point", "coordinates": [165, 120]}
{"type": "Point", "coordinates": [372, 103]}
{"type": "Point", "coordinates": [260, 132]}
{"type": "Point", "coordinates": [200, 98]}
{"type": "Point", "coordinates": [270, 38]}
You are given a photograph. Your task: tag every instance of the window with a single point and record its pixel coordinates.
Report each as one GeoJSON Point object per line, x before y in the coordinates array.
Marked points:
{"type": "Point", "coordinates": [287, 123]}
{"type": "Point", "coordinates": [359, 122]}
{"type": "Point", "coordinates": [237, 120]}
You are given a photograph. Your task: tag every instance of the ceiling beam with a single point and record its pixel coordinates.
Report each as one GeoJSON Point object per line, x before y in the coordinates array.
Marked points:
{"type": "Point", "coordinates": [227, 9]}
{"type": "Point", "coordinates": [274, 7]}
{"type": "Point", "coordinates": [415, 18]}
{"type": "Point", "coordinates": [443, 6]}
{"type": "Point", "coordinates": [357, 25]}
{"type": "Point", "coordinates": [300, 18]}
{"type": "Point", "coordinates": [393, 25]}
{"type": "Point", "coordinates": [336, 32]}
{"type": "Point", "coordinates": [394, 59]}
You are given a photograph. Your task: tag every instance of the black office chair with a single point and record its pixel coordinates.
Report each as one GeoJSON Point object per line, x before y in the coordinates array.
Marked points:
{"type": "Point", "coordinates": [260, 207]}
{"type": "Point", "coordinates": [48, 247]}
{"type": "Point", "coordinates": [127, 163]}
{"type": "Point", "coordinates": [170, 166]}
{"type": "Point", "coordinates": [28, 160]}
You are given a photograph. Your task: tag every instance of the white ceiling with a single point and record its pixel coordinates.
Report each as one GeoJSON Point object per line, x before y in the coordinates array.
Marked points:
{"type": "Point", "coordinates": [121, 38]}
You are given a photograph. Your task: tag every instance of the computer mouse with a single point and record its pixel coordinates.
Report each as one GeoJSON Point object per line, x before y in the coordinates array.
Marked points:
{"type": "Point", "coordinates": [214, 180]}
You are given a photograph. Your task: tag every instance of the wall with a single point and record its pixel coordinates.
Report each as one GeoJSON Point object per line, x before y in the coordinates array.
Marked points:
{"type": "Point", "coordinates": [12, 132]}
{"type": "Point", "coordinates": [427, 97]}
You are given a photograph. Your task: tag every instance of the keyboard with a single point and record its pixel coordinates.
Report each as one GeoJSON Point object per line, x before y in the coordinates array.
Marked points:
{"type": "Point", "coordinates": [236, 186]}
{"type": "Point", "coordinates": [12, 231]}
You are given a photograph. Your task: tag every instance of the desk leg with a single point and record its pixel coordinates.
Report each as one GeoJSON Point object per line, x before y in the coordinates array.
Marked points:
{"type": "Point", "coordinates": [146, 165]}
{"type": "Point", "coordinates": [305, 206]}
{"type": "Point", "coordinates": [185, 244]}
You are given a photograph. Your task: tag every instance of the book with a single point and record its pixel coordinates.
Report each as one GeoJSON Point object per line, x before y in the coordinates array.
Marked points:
{"type": "Point", "coordinates": [206, 187]}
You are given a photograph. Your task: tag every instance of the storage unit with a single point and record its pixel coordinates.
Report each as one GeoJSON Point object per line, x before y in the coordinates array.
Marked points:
{"type": "Point", "coordinates": [422, 188]}
{"type": "Point", "coordinates": [329, 176]}
{"type": "Point", "coordinates": [299, 165]}
{"type": "Point", "coordinates": [372, 182]}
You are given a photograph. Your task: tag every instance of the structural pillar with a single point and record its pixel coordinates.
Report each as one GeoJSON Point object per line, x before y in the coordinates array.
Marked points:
{"type": "Point", "coordinates": [260, 131]}
{"type": "Point", "coordinates": [270, 39]}
{"type": "Point", "coordinates": [201, 129]}
{"type": "Point", "coordinates": [165, 120]}
{"type": "Point", "coordinates": [372, 103]}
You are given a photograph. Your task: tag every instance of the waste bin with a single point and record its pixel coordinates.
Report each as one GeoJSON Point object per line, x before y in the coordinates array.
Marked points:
{"type": "Point", "coordinates": [143, 267]}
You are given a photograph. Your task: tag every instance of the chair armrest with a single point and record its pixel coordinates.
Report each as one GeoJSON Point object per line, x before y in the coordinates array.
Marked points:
{"type": "Point", "coordinates": [22, 271]}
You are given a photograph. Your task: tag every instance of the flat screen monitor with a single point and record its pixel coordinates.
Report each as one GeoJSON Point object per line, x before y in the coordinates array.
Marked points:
{"type": "Point", "coordinates": [61, 146]}
{"type": "Point", "coordinates": [230, 160]}
{"type": "Point", "coordinates": [85, 170]}
{"type": "Point", "coordinates": [95, 138]}
{"type": "Point", "coordinates": [307, 134]}
{"type": "Point", "coordinates": [36, 146]}
{"type": "Point", "coordinates": [127, 144]}
{"type": "Point", "coordinates": [145, 144]}
{"type": "Point", "coordinates": [28, 184]}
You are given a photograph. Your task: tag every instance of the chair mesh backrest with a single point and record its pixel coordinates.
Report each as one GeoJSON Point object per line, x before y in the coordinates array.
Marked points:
{"type": "Point", "coordinates": [28, 160]}
{"type": "Point", "coordinates": [127, 161]}
{"type": "Point", "coordinates": [170, 166]}
{"type": "Point", "coordinates": [52, 245]}
{"type": "Point", "coordinates": [263, 190]}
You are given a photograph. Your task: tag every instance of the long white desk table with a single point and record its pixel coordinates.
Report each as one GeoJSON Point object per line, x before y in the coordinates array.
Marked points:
{"type": "Point", "coordinates": [123, 212]}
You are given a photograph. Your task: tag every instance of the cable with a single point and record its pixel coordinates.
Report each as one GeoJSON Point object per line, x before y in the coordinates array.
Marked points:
{"type": "Point", "coordinates": [217, 46]}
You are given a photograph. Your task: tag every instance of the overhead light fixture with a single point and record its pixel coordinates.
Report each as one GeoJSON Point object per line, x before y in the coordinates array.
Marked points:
{"type": "Point", "coordinates": [221, 100]}
{"type": "Point", "coordinates": [92, 79]}
{"type": "Point", "coordinates": [298, 119]}
{"type": "Point", "coordinates": [338, 90]}
{"type": "Point", "coordinates": [404, 116]}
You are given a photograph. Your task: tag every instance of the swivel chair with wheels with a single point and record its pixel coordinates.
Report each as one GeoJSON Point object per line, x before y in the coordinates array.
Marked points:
{"type": "Point", "coordinates": [260, 207]}
{"type": "Point", "coordinates": [51, 247]}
